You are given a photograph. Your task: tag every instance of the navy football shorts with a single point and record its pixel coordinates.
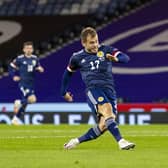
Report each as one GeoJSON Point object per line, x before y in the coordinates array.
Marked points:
{"type": "Point", "coordinates": [97, 96]}
{"type": "Point", "coordinates": [26, 92]}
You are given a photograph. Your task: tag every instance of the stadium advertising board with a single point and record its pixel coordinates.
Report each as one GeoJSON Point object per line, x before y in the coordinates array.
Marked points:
{"type": "Point", "coordinates": [79, 113]}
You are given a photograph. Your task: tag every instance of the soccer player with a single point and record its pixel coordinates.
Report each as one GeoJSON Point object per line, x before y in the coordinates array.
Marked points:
{"type": "Point", "coordinates": [95, 64]}
{"type": "Point", "coordinates": [22, 69]}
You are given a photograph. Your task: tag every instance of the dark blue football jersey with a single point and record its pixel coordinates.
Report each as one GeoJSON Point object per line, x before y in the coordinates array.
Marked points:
{"type": "Point", "coordinates": [26, 68]}
{"type": "Point", "coordinates": [96, 69]}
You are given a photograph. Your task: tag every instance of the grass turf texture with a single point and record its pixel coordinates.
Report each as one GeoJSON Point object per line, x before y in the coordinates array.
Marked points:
{"type": "Point", "coordinates": [42, 146]}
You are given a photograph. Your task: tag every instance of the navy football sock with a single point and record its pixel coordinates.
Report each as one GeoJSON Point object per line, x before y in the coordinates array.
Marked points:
{"type": "Point", "coordinates": [113, 128]}
{"type": "Point", "coordinates": [21, 110]}
{"type": "Point", "coordinates": [92, 133]}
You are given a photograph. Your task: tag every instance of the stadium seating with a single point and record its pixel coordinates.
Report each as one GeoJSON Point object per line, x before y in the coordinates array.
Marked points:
{"type": "Point", "coordinates": [62, 7]}
{"type": "Point", "coordinates": [100, 12]}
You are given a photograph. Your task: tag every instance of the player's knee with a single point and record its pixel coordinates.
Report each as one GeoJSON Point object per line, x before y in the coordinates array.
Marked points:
{"type": "Point", "coordinates": [106, 110]}
{"type": "Point", "coordinates": [32, 99]}
{"type": "Point", "coordinates": [102, 127]}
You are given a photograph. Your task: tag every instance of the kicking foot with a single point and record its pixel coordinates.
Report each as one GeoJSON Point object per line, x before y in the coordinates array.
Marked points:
{"type": "Point", "coordinates": [15, 121]}
{"type": "Point", "coordinates": [71, 144]}
{"type": "Point", "coordinates": [125, 145]}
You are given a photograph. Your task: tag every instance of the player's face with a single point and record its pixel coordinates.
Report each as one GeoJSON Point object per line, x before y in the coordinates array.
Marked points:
{"type": "Point", "coordinates": [91, 44]}
{"type": "Point", "coordinates": [28, 50]}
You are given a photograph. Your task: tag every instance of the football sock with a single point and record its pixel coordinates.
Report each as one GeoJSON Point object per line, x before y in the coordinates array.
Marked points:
{"type": "Point", "coordinates": [92, 133]}
{"type": "Point", "coordinates": [113, 128]}
{"type": "Point", "coordinates": [21, 109]}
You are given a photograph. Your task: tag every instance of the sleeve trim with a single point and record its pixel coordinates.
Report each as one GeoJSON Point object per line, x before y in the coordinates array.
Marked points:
{"type": "Point", "coordinates": [69, 69]}
{"type": "Point", "coordinates": [13, 65]}
{"type": "Point", "coordinates": [115, 54]}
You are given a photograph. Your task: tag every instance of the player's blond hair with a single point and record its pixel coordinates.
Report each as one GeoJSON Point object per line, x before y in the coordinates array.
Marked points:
{"type": "Point", "coordinates": [88, 31]}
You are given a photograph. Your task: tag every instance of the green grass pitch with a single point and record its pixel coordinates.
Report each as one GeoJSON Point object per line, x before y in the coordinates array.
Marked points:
{"type": "Point", "coordinates": [42, 147]}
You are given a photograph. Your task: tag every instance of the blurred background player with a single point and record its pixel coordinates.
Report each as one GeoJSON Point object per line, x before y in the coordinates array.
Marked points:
{"type": "Point", "coordinates": [95, 64]}
{"type": "Point", "coordinates": [22, 69]}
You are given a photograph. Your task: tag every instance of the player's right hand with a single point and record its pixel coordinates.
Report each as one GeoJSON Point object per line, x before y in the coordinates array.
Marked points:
{"type": "Point", "coordinates": [16, 78]}
{"type": "Point", "coordinates": [68, 97]}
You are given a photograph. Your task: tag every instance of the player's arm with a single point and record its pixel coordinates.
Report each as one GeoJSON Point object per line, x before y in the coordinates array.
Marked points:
{"type": "Point", "coordinates": [65, 83]}
{"type": "Point", "coordinates": [39, 68]}
{"type": "Point", "coordinates": [72, 67]}
{"type": "Point", "coordinates": [13, 68]}
{"type": "Point", "coordinates": [117, 56]}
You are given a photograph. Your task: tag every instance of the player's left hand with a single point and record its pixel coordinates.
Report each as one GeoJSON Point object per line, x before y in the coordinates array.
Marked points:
{"type": "Point", "coordinates": [68, 97]}
{"type": "Point", "coordinates": [40, 69]}
{"type": "Point", "coordinates": [111, 58]}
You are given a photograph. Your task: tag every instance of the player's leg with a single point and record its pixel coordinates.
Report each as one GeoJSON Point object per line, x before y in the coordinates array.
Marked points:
{"type": "Point", "coordinates": [106, 110]}
{"type": "Point", "coordinates": [28, 97]}
{"type": "Point", "coordinates": [92, 134]}
{"type": "Point", "coordinates": [96, 131]}
{"type": "Point", "coordinates": [109, 111]}
{"type": "Point", "coordinates": [28, 100]}
{"type": "Point", "coordinates": [17, 104]}
{"type": "Point", "coordinates": [18, 113]}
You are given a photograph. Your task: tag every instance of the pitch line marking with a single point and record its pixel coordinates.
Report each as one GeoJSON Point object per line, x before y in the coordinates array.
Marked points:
{"type": "Point", "coordinates": [66, 136]}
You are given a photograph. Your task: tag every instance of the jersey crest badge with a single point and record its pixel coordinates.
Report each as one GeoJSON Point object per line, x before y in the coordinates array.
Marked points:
{"type": "Point", "coordinates": [100, 54]}
{"type": "Point", "coordinates": [34, 62]}
{"type": "Point", "coordinates": [100, 99]}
